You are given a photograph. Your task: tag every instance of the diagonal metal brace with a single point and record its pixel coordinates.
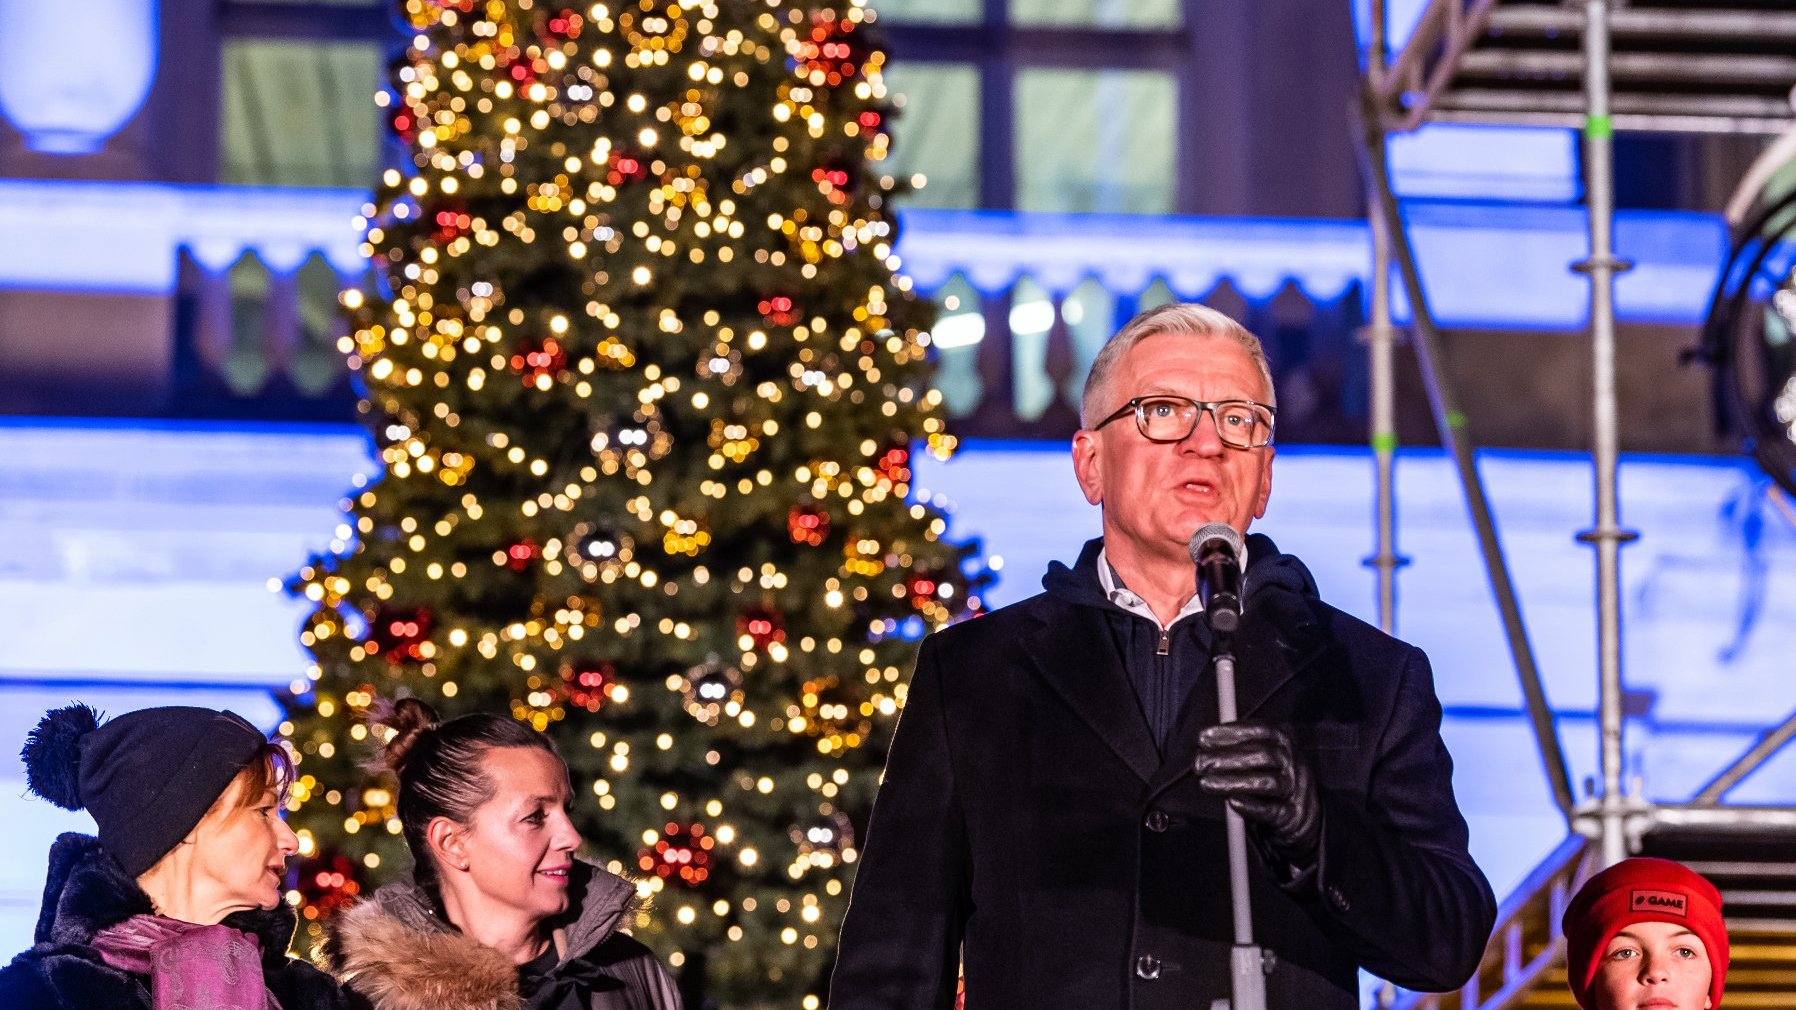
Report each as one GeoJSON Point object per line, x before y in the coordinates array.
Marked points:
{"type": "Point", "coordinates": [1450, 423]}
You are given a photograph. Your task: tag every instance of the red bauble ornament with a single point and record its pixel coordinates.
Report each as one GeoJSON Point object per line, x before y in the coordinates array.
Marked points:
{"type": "Point", "coordinates": [894, 464]}
{"type": "Point", "coordinates": [536, 359]}
{"type": "Point", "coordinates": [834, 50]}
{"type": "Point", "coordinates": [565, 24]}
{"type": "Point", "coordinates": [519, 555]}
{"type": "Point", "coordinates": [589, 684]}
{"type": "Point", "coordinates": [834, 181]}
{"type": "Point", "coordinates": [682, 855]}
{"type": "Point", "coordinates": [328, 883]}
{"type": "Point", "coordinates": [626, 166]}
{"type": "Point", "coordinates": [808, 524]}
{"type": "Point", "coordinates": [451, 221]}
{"type": "Point", "coordinates": [762, 625]}
{"type": "Point", "coordinates": [398, 633]}
{"type": "Point", "coordinates": [922, 585]}
{"type": "Point", "coordinates": [404, 124]}
{"type": "Point", "coordinates": [779, 310]}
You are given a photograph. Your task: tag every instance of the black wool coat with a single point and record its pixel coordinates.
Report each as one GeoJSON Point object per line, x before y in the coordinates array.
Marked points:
{"type": "Point", "coordinates": [1030, 827]}
{"type": "Point", "coordinates": [87, 891]}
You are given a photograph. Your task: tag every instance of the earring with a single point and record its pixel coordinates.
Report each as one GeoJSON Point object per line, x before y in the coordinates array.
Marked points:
{"type": "Point", "coordinates": [464, 866]}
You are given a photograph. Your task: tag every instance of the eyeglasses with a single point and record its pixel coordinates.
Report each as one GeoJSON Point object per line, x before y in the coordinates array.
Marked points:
{"type": "Point", "coordinates": [1242, 424]}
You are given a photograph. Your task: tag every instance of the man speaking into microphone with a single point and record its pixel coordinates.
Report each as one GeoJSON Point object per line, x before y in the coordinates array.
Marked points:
{"type": "Point", "coordinates": [1051, 824]}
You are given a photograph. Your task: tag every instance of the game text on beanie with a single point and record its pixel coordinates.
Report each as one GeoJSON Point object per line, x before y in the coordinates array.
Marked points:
{"type": "Point", "coordinates": [147, 777]}
{"type": "Point", "coordinates": [1641, 890]}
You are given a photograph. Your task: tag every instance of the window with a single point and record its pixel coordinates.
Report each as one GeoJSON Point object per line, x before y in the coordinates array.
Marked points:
{"type": "Point", "coordinates": [937, 12]}
{"type": "Point", "coordinates": [1095, 141]}
{"type": "Point", "coordinates": [301, 113]}
{"type": "Point", "coordinates": [935, 132]}
{"type": "Point", "coordinates": [1096, 13]}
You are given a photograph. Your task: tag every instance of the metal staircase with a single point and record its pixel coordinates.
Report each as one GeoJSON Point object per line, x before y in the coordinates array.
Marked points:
{"type": "Point", "coordinates": [1711, 66]}
{"type": "Point", "coordinates": [1693, 66]}
{"type": "Point", "coordinates": [1524, 966]}
{"type": "Point", "coordinates": [1756, 872]}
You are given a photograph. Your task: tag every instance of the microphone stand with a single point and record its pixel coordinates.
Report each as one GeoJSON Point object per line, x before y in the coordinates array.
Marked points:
{"type": "Point", "coordinates": [1247, 962]}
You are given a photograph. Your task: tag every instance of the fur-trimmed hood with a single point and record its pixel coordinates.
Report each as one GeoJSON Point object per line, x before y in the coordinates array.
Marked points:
{"type": "Point", "coordinates": [397, 953]}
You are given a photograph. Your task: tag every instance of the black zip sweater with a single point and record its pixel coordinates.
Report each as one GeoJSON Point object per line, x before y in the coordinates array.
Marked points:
{"type": "Point", "coordinates": [1165, 666]}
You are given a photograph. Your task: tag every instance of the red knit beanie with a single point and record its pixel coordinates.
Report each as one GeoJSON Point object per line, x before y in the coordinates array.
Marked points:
{"type": "Point", "coordinates": [1641, 890]}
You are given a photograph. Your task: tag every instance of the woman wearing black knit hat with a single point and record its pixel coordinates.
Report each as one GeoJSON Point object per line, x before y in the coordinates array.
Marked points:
{"type": "Point", "coordinates": [177, 904]}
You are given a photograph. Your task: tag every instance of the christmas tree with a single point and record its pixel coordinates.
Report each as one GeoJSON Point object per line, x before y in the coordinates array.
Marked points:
{"type": "Point", "coordinates": [645, 386]}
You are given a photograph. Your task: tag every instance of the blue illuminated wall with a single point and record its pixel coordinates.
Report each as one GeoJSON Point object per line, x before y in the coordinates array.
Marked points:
{"type": "Point", "coordinates": [136, 562]}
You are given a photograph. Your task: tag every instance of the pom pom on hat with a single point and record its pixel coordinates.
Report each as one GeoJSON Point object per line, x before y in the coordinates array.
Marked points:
{"type": "Point", "coordinates": [52, 754]}
{"type": "Point", "coordinates": [147, 777]}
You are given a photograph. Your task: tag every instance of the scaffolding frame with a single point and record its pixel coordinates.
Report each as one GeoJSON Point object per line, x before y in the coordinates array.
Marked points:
{"type": "Point", "coordinates": [1418, 86]}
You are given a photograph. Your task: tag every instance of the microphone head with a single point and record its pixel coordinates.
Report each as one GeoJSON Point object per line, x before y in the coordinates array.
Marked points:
{"type": "Point", "coordinates": [1210, 536]}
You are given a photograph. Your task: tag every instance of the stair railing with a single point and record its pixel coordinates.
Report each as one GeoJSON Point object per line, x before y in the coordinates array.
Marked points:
{"type": "Point", "coordinates": [1406, 89]}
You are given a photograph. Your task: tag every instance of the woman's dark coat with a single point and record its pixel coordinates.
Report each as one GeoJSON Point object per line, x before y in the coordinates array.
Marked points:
{"type": "Point", "coordinates": [87, 891]}
{"type": "Point", "coordinates": [1029, 824]}
{"type": "Point", "coordinates": [394, 952]}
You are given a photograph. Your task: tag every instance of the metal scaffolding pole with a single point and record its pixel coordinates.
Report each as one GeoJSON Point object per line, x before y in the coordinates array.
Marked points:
{"type": "Point", "coordinates": [1380, 336]}
{"type": "Point", "coordinates": [1383, 432]}
{"type": "Point", "coordinates": [1450, 425]}
{"type": "Point", "coordinates": [1607, 536]}
{"type": "Point", "coordinates": [1762, 750]}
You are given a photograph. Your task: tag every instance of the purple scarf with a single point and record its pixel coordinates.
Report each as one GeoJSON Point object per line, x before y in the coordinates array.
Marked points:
{"type": "Point", "coordinates": [190, 967]}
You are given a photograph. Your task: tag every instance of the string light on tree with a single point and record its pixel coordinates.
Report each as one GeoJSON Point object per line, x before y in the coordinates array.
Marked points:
{"type": "Point", "coordinates": [644, 388]}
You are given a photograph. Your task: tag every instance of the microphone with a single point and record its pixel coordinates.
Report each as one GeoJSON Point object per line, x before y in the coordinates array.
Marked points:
{"type": "Point", "coordinates": [1216, 551]}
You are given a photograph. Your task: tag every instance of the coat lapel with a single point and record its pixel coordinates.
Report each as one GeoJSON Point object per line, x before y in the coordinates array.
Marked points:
{"type": "Point", "coordinates": [1074, 655]}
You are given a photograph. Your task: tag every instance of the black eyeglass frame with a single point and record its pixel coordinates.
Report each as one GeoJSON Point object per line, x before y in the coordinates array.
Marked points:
{"type": "Point", "coordinates": [1137, 405]}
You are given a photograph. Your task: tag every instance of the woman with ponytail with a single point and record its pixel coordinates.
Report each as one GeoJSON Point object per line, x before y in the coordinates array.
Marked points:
{"type": "Point", "coordinates": [498, 913]}
{"type": "Point", "coordinates": [177, 903]}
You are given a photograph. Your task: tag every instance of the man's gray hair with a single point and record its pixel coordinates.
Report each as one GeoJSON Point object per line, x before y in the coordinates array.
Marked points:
{"type": "Point", "coordinates": [1186, 318]}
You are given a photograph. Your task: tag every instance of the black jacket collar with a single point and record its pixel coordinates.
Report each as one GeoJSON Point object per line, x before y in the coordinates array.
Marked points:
{"type": "Point", "coordinates": [86, 890]}
{"type": "Point", "coordinates": [1269, 571]}
{"type": "Point", "coordinates": [1281, 634]}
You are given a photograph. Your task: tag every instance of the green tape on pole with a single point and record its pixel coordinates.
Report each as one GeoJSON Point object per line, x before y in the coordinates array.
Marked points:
{"type": "Point", "coordinates": [1455, 420]}
{"type": "Point", "coordinates": [1599, 127]}
{"type": "Point", "coordinates": [1384, 442]}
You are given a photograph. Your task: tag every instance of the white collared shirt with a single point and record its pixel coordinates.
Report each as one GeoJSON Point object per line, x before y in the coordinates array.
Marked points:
{"type": "Point", "coordinates": [1123, 597]}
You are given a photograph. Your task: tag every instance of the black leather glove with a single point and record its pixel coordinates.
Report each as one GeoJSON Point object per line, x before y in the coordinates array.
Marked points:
{"type": "Point", "coordinates": [1254, 767]}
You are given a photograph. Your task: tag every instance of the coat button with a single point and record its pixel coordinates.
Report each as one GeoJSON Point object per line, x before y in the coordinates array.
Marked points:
{"type": "Point", "coordinates": [1338, 899]}
{"type": "Point", "coordinates": [1157, 821]}
{"type": "Point", "coordinates": [1147, 966]}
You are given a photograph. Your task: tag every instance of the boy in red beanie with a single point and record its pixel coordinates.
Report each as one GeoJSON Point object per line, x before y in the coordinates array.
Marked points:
{"type": "Point", "coordinates": [1646, 934]}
